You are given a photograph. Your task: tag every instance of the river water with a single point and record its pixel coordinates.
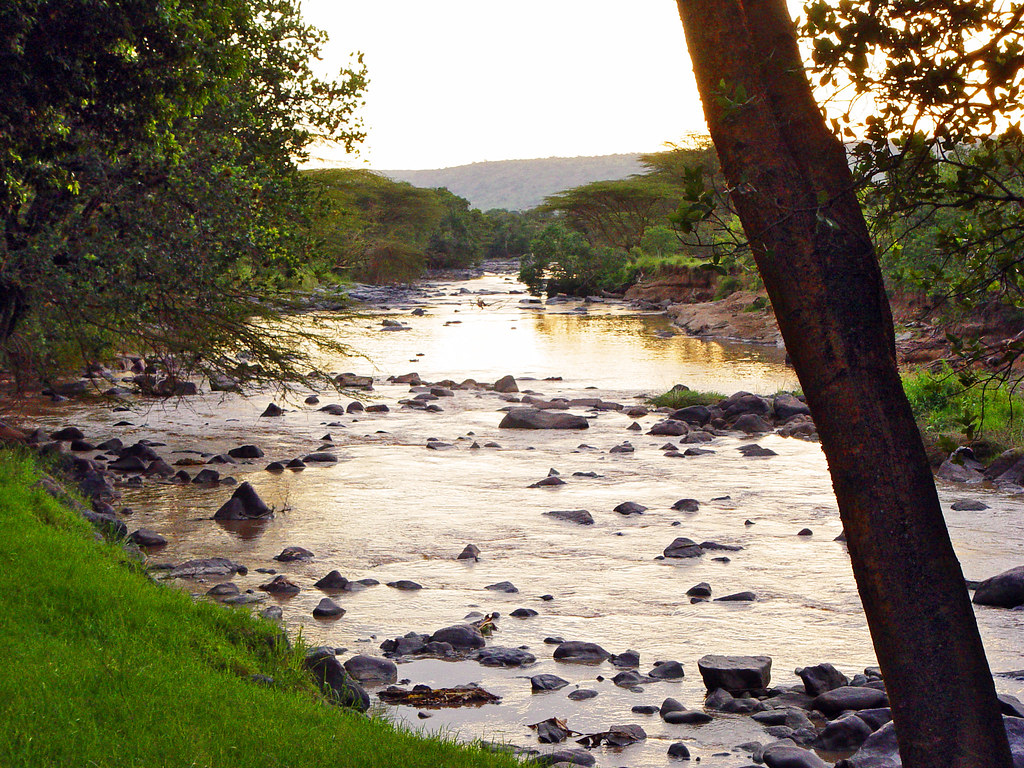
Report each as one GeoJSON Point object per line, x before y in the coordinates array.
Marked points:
{"type": "Point", "coordinates": [391, 509]}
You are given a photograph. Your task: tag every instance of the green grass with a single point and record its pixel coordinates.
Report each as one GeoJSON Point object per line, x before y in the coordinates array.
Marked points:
{"type": "Point", "coordinates": [945, 406]}
{"type": "Point", "coordinates": [102, 667]}
{"type": "Point", "coordinates": [681, 398]}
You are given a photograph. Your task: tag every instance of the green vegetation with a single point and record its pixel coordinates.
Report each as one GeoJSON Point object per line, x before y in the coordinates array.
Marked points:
{"type": "Point", "coordinates": [370, 228]}
{"type": "Point", "coordinates": [681, 398]}
{"type": "Point", "coordinates": [104, 668]}
{"type": "Point", "coordinates": [959, 408]}
{"type": "Point", "coordinates": [673, 218]}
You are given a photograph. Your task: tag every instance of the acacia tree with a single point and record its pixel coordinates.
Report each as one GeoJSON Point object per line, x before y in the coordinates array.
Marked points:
{"type": "Point", "coordinates": [793, 191]}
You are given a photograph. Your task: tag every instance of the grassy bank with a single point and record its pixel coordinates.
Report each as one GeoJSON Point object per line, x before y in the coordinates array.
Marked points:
{"type": "Point", "coordinates": [949, 411]}
{"type": "Point", "coordinates": [102, 667]}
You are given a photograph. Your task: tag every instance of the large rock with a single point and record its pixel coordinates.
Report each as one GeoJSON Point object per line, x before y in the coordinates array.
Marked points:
{"type": "Point", "coordinates": [843, 735]}
{"type": "Point", "coordinates": [786, 406]}
{"type": "Point", "coordinates": [785, 755]}
{"type": "Point", "coordinates": [670, 428]}
{"type": "Point", "coordinates": [506, 384]}
{"type": "Point", "coordinates": [821, 678]}
{"type": "Point", "coordinates": [244, 504]}
{"type": "Point", "coordinates": [578, 651]}
{"type": "Point", "coordinates": [532, 418]}
{"type": "Point", "coordinates": [744, 402]}
{"type": "Point", "coordinates": [1005, 590]}
{"type": "Point", "coordinates": [547, 683]}
{"type": "Point", "coordinates": [683, 547]}
{"type": "Point", "coordinates": [371, 669]}
{"type": "Point", "coordinates": [881, 750]}
{"type": "Point", "coordinates": [578, 516]}
{"type": "Point", "coordinates": [849, 697]}
{"type": "Point", "coordinates": [462, 637]}
{"type": "Point", "coordinates": [736, 674]}
{"type": "Point", "coordinates": [497, 656]}
{"type": "Point", "coordinates": [333, 678]}
{"type": "Point", "coordinates": [695, 415]}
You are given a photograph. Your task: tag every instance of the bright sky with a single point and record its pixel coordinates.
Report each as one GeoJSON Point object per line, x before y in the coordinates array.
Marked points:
{"type": "Point", "coordinates": [460, 81]}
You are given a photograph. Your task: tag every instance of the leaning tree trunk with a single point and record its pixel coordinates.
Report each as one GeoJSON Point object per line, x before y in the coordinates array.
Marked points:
{"type": "Point", "coordinates": [791, 185]}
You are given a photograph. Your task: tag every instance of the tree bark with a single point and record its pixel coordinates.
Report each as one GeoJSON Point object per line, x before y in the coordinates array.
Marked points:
{"type": "Point", "coordinates": [791, 185]}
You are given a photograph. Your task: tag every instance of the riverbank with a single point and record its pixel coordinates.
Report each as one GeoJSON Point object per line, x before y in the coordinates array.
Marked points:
{"type": "Point", "coordinates": [103, 667]}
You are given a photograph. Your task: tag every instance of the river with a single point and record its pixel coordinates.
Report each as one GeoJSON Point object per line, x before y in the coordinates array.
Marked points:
{"type": "Point", "coordinates": [391, 509]}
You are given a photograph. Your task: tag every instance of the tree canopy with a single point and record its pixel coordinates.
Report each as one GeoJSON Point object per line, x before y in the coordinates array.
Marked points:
{"type": "Point", "coordinates": [149, 194]}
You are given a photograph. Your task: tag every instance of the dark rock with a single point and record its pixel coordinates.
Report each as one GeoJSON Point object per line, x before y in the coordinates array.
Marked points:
{"type": "Point", "coordinates": [644, 709]}
{"type": "Point", "coordinates": [805, 532]}
{"type": "Point", "coordinates": [735, 674]}
{"type": "Point", "coordinates": [697, 452]}
{"type": "Point", "coordinates": [670, 705]}
{"type": "Point", "coordinates": [843, 735]}
{"type": "Point", "coordinates": [969, 505]}
{"type": "Point", "coordinates": [626, 659]}
{"type": "Point", "coordinates": [678, 750]}
{"type": "Point", "coordinates": [532, 418]}
{"type": "Point", "coordinates": [274, 466]}
{"type": "Point", "coordinates": [273, 613]}
{"type": "Point", "coordinates": [320, 457]}
{"type": "Point", "coordinates": [547, 481]}
{"type": "Point", "coordinates": [210, 566]}
{"type": "Point", "coordinates": [280, 585]}
{"type": "Point", "coordinates": [355, 407]}
{"type": "Point", "coordinates": [113, 445]}
{"type": "Point", "coordinates": [699, 590]}
{"type": "Point", "coordinates": [377, 408]}
{"type": "Point", "coordinates": [622, 448]}
{"type": "Point", "coordinates": [547, 683]}
{"type": "Point", "coordinates": [503, 586]}
{"type": "Point", "coordinates": [686, 505]}
{"type": "Point", "coordinates": [405, 584]}
{"type": "Point", "coordinates": [630, 508]}
{"type": "Point", "coordinates": [333, 581]}
{"type": "Point", "coordinates": [470, 552]}
{"type": "Point", "coordinates": [67, 433]}
{"type": "Point", "coordinates": [697, 415]}
{"type": "Point", "coordinates": [786, 406]}
{"type": "Point", "coordinates": [291, 554]}
{"type": "Point", "coordinates": [670, 428]}
{"type": "Point", "coordinates": [225, 589]}
{"type": "Point", "coordinates": [246, 452]}
{"type": "Point", "coordinates": [751, 424]}
{"type": "Point", "coordinates": [244, 504]}
{"type": "Point", "coordinates": [332, 677]}
{"type": "Point", "coordinates": [744, 403]}
{"type": "Point", "coordinates": [204, 476]}
{"type": "Point", "coordinates": [756, 450]}
{"type": "Point", "coordinates": [221, 459]}
{"type": "Point", "coordinates": [296, 464]}
{"type": "Point", "coordinates": [572, 756]}
{"type": "Point", "coordinates": [147, 539]}
{"type": "Point", "coordinates": [371, 669]}
{"type": "Point", "coordinates": [460, 636]}
{"type": "Point", "coordinates": [1011, 705]}
{"type": "Point", "coordinates": [333, 409]}
{"type": "Point", "coordinates": [723, 701]}
{"type": "Point", "coordinates": [272, 410]}
{"type": "Point", "coordinates": [1005, 590]}
{"type": "Point", "coordinates": [789, 756]}
{"type": "Point", "coordinates": [667, 670]}
{"type": "Point", "coordinates": [523, 613]}
{"type": "Point", "coordinates": [506, 385]}
{"type": "Point", "coordinates": [849, 697]}
{"type": "Point", "coordinates": [821, 678]}
{"type": "Point", "coordinates": [328, 609]}
{"type": "Point", "coordinates": [683, 548]}
{"type": "Point", "coordinates": [81, 446]}
{"type": "Point", "coordinates": [582, 652]}
{"type": "Point", "coordinates": [582, 694]}
{"type": "Point", "coordinates": [737, 597]}
{"type": "Point", "coordinates": [128, 464]}
{"type": "Point", "coordinates": [687, 717]}
{"type": "Point", "coordinates": [629, 679]}
{"type": "Point", "coordinates": [497, 656]}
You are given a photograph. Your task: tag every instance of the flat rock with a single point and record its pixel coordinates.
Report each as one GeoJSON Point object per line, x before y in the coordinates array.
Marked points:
{"type": "Point", "coordinates": [147, 539]}
{"type": "Point", "coordinates": [735, 674]}
{"type": "Point", "coordinates": [578, 516]}
{"type": "Point", "coordinates": [503, 586]}
{"type": "Point", "coordinates": [582, 652]}
{"type": "Point", "coordinates": [405, 585]}
{"type": "Point", "coordinates": [1005, 590]}
{"type": "Point", "coordinates": [547, 683]}
{"type": "Point", "coordinates": [209, 566]}
{"type": "Point", "coordinates": [533, 418]}
{"type": "Point", "coordinates": [291, 554]}
{"type": "Point", "coordinates": [460, 637]}
{"type": "Point", "coordinates": [497, 656]}
{"type": "Point", "coordinates": [787, 756]}
{"type": "Point", "coordinates": [849, 697]}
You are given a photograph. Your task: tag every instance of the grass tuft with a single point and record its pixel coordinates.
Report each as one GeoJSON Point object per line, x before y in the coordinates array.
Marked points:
{"type": "Point", "coordinates": [681, 398]}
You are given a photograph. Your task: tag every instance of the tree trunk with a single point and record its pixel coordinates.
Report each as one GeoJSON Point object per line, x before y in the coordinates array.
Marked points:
{"type": "Point", "coordinates": [791, 185]}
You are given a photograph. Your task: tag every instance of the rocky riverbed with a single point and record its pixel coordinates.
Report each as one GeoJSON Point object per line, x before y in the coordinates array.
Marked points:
{"type": "Point", "coordinates": [606, 569]}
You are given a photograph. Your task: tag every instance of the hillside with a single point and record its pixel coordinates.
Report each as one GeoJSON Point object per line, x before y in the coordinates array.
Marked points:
{"type": "Point", "coordinates": [520, 184]}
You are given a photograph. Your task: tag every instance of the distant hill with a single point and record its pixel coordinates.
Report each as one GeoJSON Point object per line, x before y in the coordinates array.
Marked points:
{"type": "Point", "coordinates": [521, 184]}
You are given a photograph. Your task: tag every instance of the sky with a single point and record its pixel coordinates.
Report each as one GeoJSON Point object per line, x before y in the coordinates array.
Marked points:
{"type": "Point", "coordinates": [461, 81]}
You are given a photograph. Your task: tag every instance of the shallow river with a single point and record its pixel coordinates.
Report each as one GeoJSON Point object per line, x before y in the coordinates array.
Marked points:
{"type": "Point", "coordinates": [391, 509]}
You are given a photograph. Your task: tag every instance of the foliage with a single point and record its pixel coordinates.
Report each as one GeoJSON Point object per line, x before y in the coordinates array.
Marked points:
{"type": "Point", "coordinates": [102, 667]}
{"type": "Point", "coordinates": [461, 234]}
{"type": "Point", "coordinates": [562, 261]}
{"type": "Point", "coordinates": [148, 190]}
{"type": "Point", "coordinates": [934, 104]}
{"type": "Point", "coordinates": [681, 397]}
{"type": "Point", "coordinates": [948, 401]}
